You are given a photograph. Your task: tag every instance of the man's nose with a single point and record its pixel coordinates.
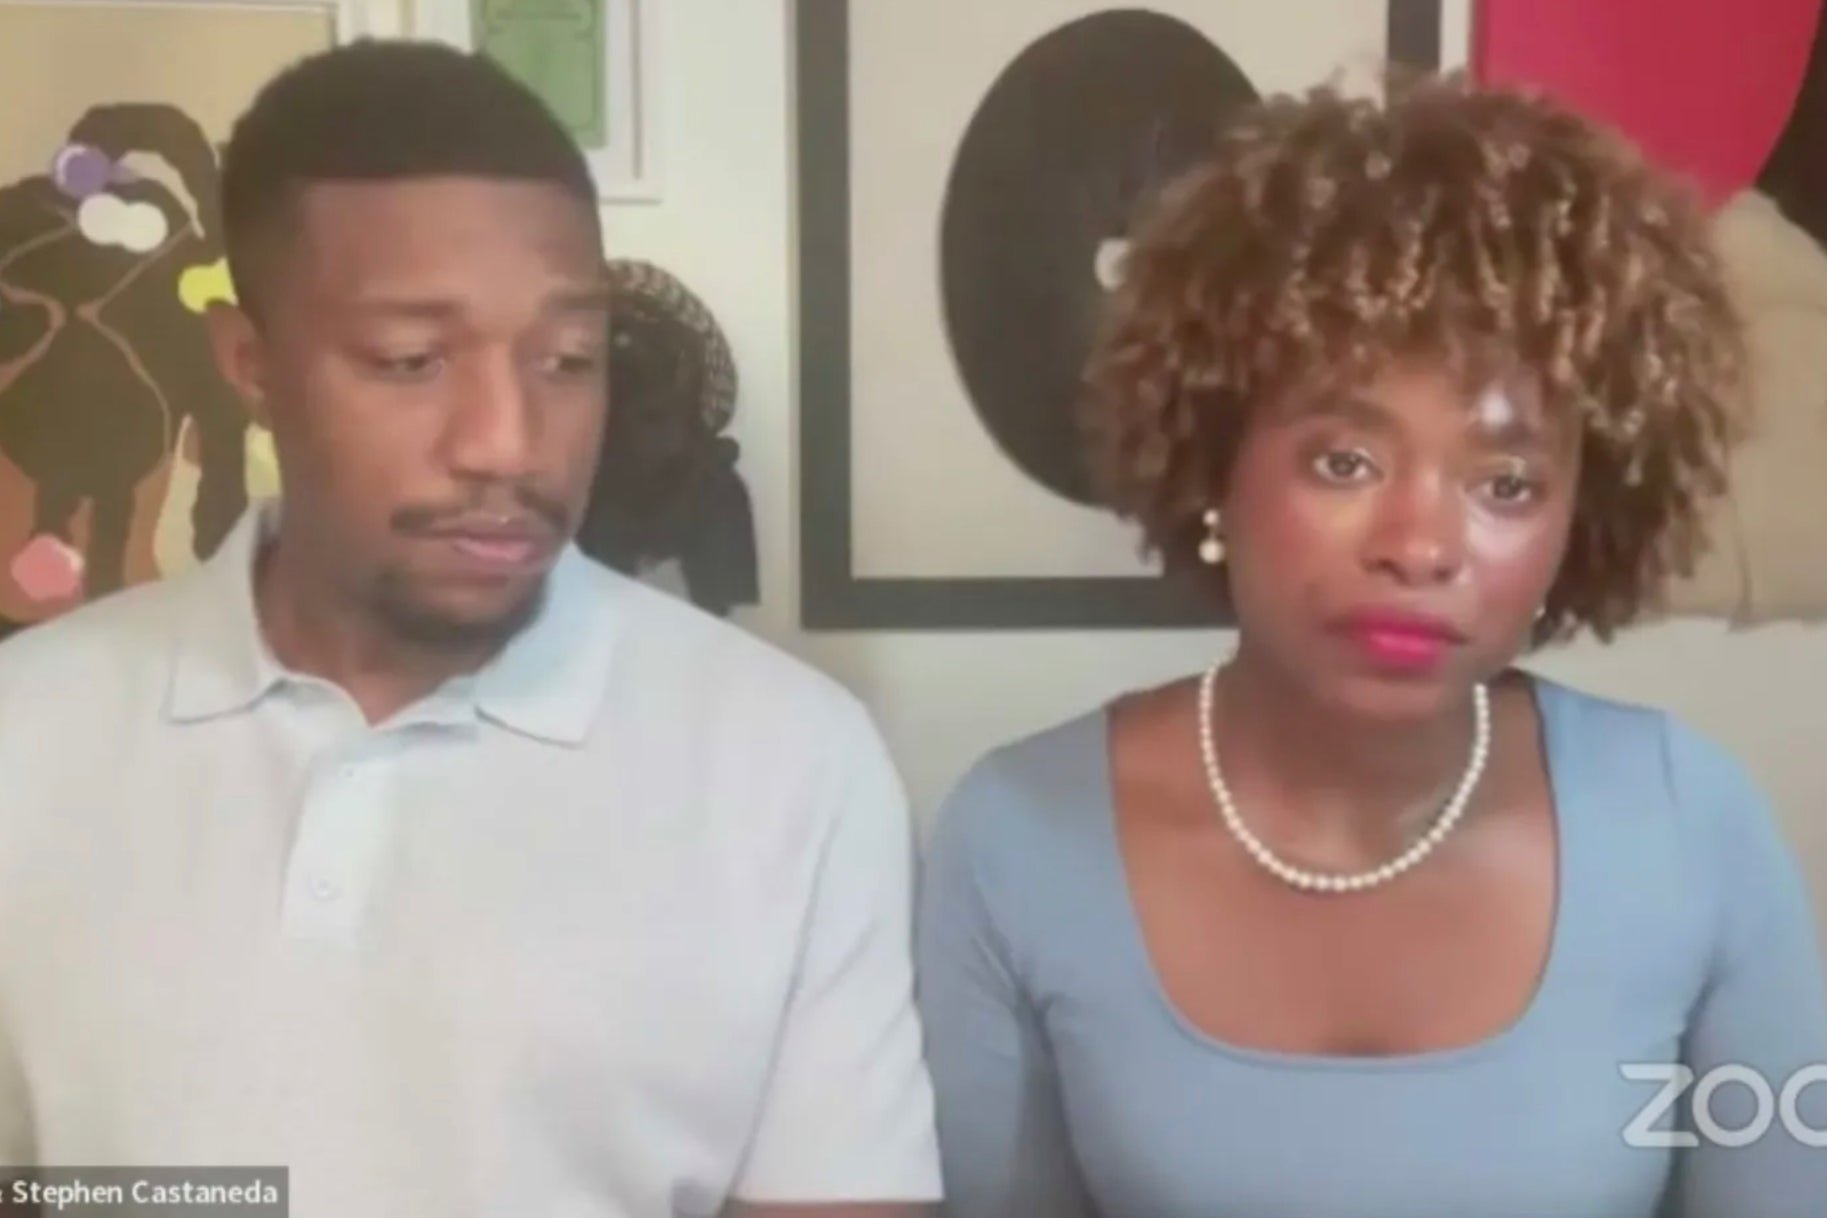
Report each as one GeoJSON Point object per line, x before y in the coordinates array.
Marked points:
{"type": "Point", "coordinates": [492, 426]}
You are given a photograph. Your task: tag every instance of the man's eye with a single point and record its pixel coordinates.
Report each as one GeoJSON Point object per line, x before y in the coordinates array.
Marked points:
{"type": "Point", "coordinates": [411, 365]}
{"type": "Point", "coordinates": [570, 363]}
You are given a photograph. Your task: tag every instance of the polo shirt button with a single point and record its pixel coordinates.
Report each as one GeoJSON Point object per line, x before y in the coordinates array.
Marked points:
{"type": "Point", "coordinates": [325, 889]}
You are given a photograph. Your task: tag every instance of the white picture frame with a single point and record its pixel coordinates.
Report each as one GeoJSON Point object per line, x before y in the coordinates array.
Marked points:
{"type": "Point", "coordinates": [627, 168]}
{"type": "Point", "coordinates": [1458, 30]}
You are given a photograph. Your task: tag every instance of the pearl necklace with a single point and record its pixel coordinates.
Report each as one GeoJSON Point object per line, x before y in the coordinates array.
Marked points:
{"type": "Point", "coordinates": [1313, 881]}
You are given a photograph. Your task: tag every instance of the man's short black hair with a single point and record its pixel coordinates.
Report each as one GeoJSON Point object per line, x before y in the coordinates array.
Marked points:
{"type": "Point", "coordinates": [375, 111]}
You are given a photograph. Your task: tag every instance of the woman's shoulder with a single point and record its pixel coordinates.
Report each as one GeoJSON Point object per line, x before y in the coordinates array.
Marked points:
{"type": "Point", "coordinates": [1599, 739]}
{"type": "Point", "coordinates": [1658, 785]}
{"type": "Point", "coordinates": [1034, 793]}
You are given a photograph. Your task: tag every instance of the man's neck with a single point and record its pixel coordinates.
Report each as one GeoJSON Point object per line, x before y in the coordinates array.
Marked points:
{"type": "Point", "coordinates": [1344, 786]}
{"type": "Point", "coordinates": [312, 628]}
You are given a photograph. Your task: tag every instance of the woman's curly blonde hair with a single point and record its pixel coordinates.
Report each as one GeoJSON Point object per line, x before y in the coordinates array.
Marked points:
{"type": "Point", "coordinates": [1455, 222]}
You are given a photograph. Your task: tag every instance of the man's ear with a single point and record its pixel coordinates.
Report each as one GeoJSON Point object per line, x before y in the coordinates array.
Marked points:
{"type": "Point", "coordinates": [241, 356]}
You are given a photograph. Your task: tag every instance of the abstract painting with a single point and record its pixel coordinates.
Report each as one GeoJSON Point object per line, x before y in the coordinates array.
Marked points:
{"type": "Point", "coordinates": [124, 456]}
{"type": "Point", "coordinates": [958, 231]}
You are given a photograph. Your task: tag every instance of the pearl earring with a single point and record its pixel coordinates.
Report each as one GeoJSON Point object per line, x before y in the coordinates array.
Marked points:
{"type": "Point", "coordinates": [1211, 550]}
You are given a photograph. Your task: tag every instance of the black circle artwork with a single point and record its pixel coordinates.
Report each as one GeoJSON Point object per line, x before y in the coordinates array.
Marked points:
{"type": "Point", "coordinates": [1073, 134]}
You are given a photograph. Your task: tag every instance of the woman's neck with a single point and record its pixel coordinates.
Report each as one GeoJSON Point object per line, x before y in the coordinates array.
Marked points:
{"type": "Point", "coordinates": [1325, 782]}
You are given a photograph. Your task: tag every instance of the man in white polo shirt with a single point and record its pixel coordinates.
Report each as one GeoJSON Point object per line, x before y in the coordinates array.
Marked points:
{"type": "Point", "coordinates": [400, 845]}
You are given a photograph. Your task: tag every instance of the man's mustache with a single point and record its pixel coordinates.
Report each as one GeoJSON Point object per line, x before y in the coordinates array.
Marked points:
{"type": "Point", "coordinates": [427, 518]}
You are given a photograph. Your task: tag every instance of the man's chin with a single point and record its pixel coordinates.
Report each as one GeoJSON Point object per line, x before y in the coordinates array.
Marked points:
{"type": "Point", "coordinates": [460, 623]}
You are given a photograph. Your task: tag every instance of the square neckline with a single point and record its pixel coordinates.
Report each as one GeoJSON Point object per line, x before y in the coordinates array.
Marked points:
{"type": "Point", "coordinates": [1553, 707]}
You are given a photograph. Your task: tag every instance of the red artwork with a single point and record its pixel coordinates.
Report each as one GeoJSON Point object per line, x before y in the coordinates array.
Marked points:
{"type": "Point", "coordinates": [1706, 86]}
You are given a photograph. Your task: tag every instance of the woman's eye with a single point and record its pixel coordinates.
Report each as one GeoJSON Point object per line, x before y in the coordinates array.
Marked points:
{"type": "Point", "coordinates": [1511, 488]}
{"type": "Point", "coordinates": [1342, 465]}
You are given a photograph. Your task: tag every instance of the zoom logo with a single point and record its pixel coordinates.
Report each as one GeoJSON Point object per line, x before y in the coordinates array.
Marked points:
{"type": "Point", "coordinates": [1774, 1103]}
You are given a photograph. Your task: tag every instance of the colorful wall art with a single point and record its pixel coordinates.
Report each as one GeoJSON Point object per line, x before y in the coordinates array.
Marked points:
{"type": "Point", "coordinates": [124, 456]}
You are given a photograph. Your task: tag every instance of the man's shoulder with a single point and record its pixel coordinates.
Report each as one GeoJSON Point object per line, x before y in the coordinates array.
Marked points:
{"type": "Point", "coordinates": [680, 652]}
{"type": "Point", "coordinates": [98, 639]}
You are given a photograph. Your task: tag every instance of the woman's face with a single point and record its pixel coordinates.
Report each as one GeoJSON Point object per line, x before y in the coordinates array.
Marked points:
{"type": "Point", "coordinates": [1389, 546]}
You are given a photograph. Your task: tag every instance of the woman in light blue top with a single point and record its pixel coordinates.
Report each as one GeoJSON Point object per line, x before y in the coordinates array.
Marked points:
{"type": "Point", "coordinates": [1364, 922]}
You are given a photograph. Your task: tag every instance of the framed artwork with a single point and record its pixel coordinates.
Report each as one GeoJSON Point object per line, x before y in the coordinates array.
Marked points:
{"type": "Point", "coordinates": [124, 456]}
{"type": "Point", "coordinates": [593, 62]}
{"type": "Point", "coordinates": [956, 233]}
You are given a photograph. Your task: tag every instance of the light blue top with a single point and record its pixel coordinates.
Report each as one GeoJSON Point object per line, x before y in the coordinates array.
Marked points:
{"type": "Point", "coordinates": [1068, 1085]}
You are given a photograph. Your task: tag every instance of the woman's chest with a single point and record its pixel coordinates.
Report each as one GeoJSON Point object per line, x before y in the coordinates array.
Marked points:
{"type": "Point", "coordinates": [1458, 1046]}
{"type": "Point", "coordinates": [1443, 957]}
{"type": "Point", "coordinates": [1199, 1132]}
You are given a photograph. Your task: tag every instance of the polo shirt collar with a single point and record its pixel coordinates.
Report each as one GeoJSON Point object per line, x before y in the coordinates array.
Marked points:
{"type": "Point", "coordinates": [548, 682]}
